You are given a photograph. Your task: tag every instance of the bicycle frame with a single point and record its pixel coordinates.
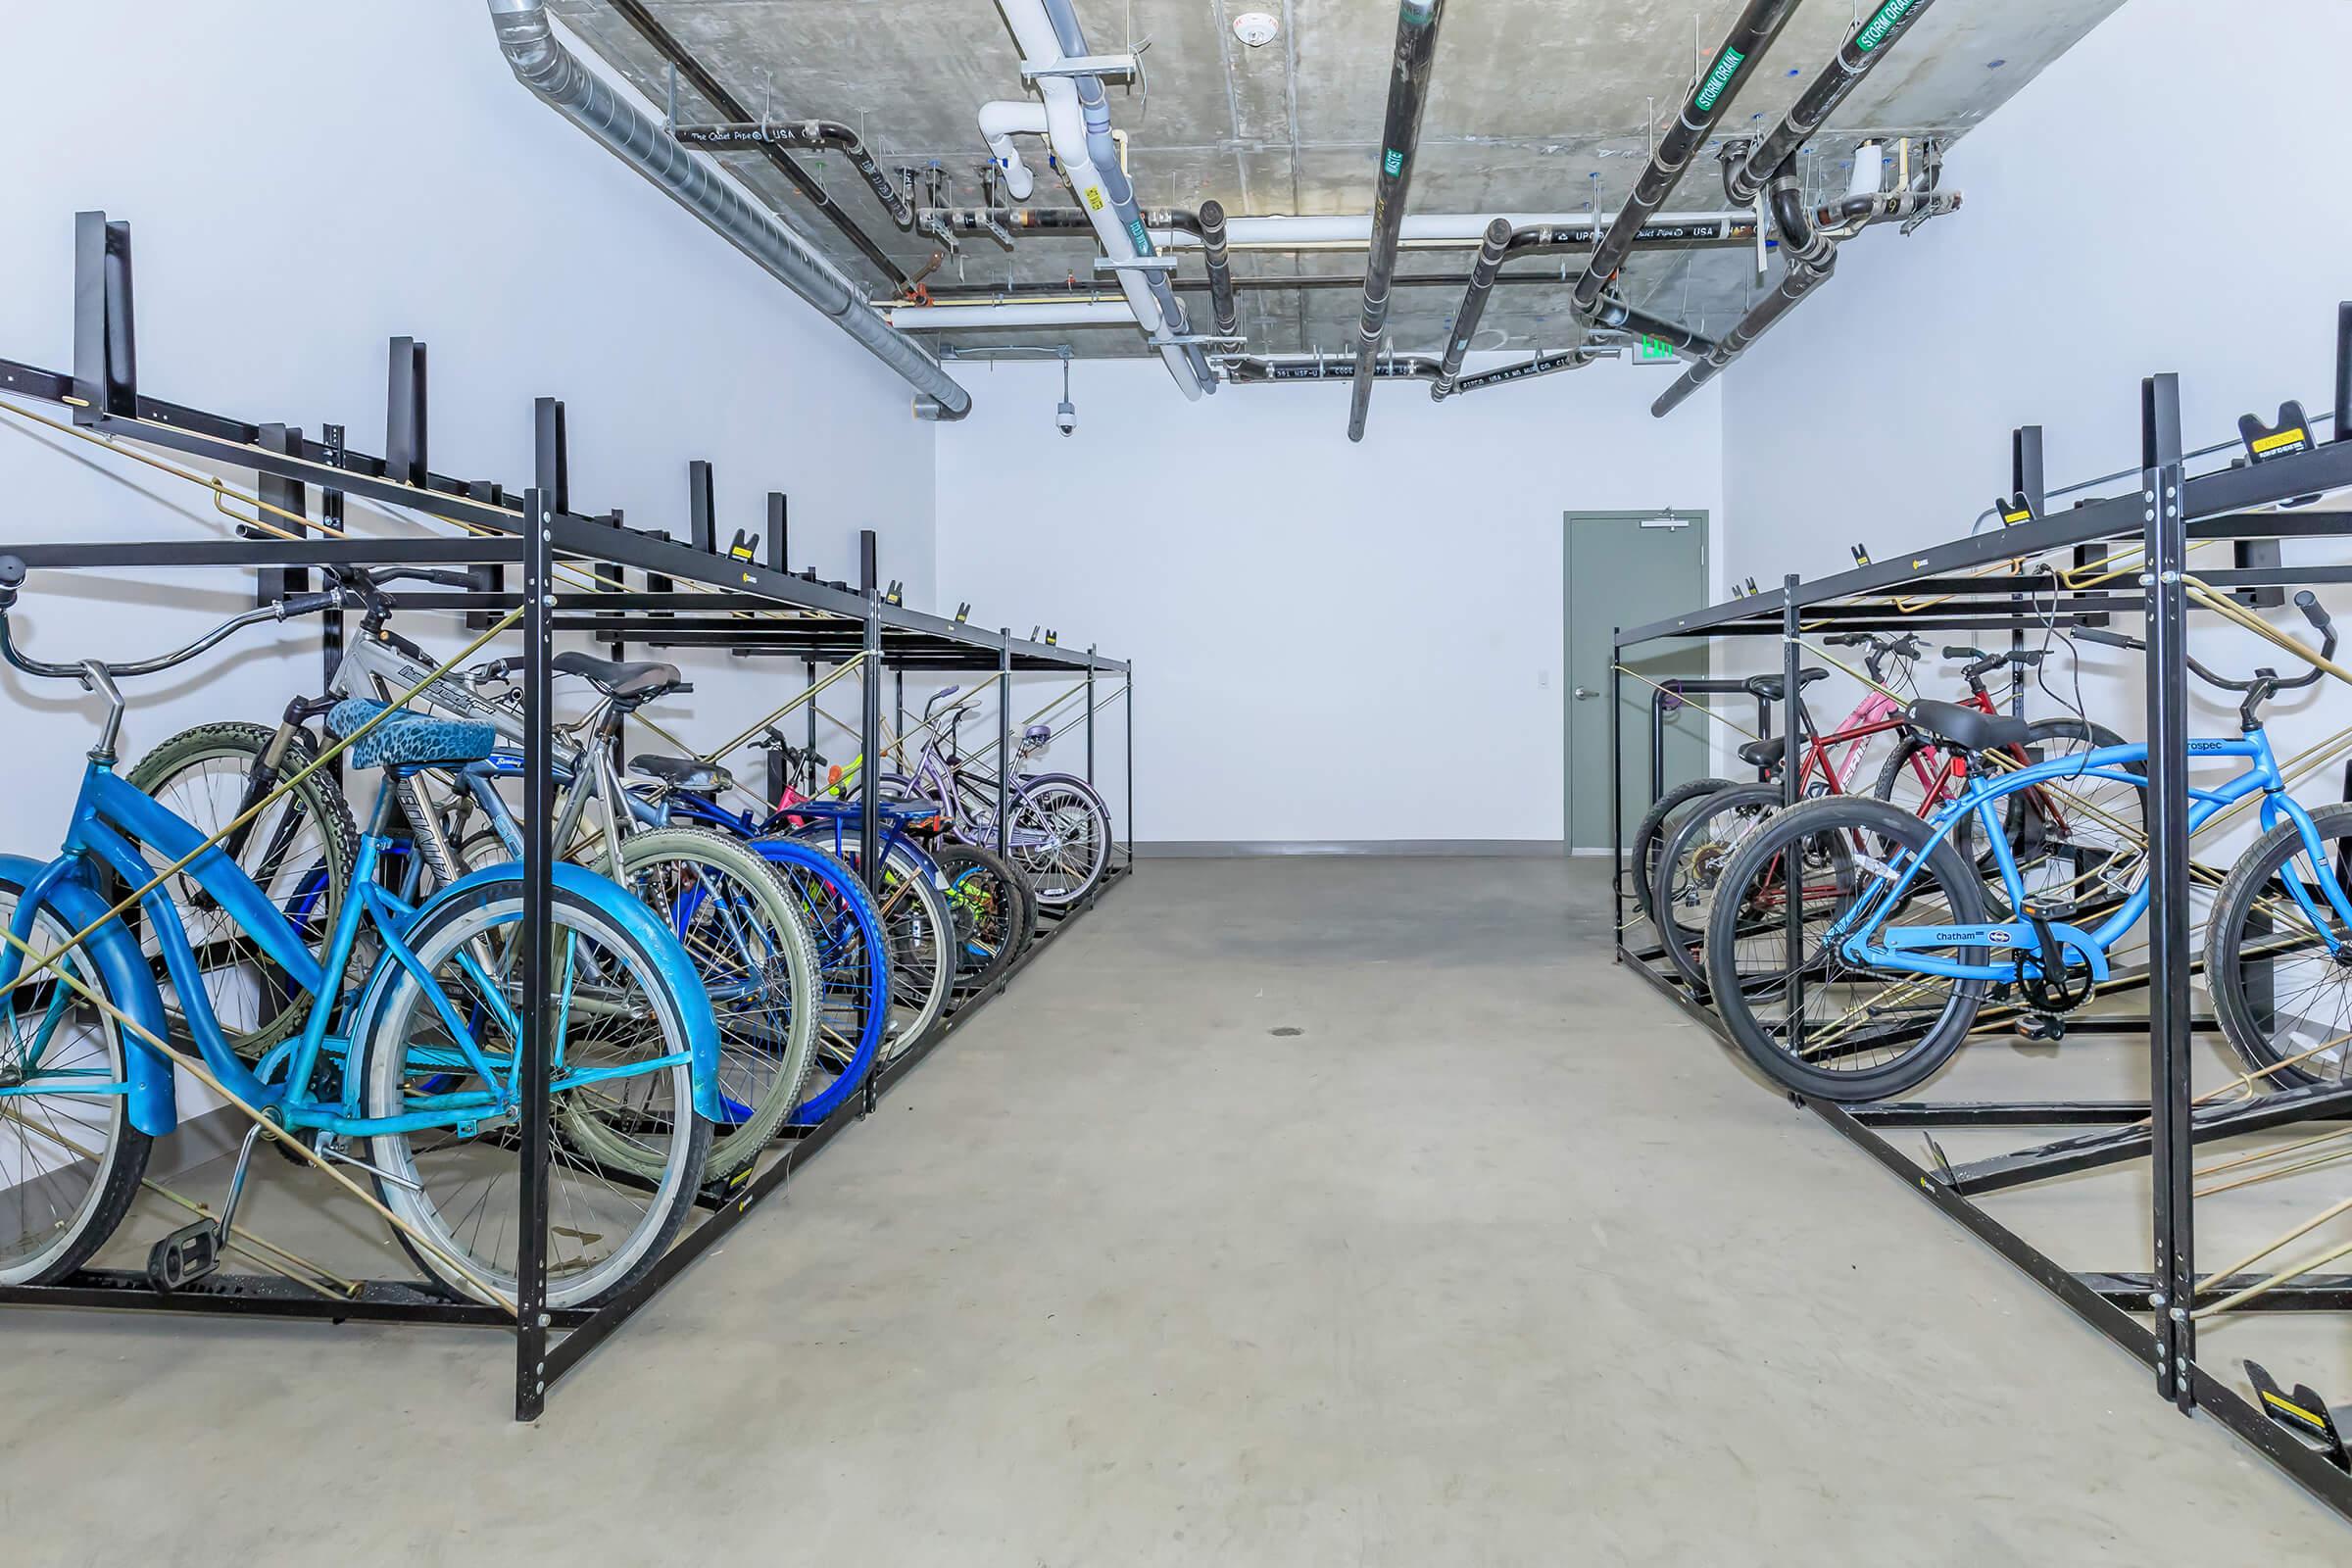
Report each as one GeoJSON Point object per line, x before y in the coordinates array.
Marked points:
{"type": "Point", "coordinates": [111, 817]}
{"type": "Point", "coordinates": [1904, 949]}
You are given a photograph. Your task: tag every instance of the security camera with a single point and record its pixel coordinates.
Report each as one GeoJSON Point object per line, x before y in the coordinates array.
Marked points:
{"type": "Point", "coordinates": [1065, 417]}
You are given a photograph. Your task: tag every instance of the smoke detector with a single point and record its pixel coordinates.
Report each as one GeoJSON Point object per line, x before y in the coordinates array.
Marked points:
{"type": "Point", "coordinates": [1255, 29]}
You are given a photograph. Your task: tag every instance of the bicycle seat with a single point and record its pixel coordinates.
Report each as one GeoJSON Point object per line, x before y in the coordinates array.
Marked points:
{"type": "Point", "coordinates": [1765, 753]}
{"type": "Point", "coordinates": [410, 739]}
{"type": "Point", "coordinates": [614, 678]}
{"type": "Point", "coordinates": [687, 773]}
{"type": "Point", "coordinates": [1968, 730]}
{"type": "Point", "coordinates": [1768, 687]}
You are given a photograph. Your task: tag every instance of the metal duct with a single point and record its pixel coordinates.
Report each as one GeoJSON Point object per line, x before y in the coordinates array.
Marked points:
{"type": "Point", "coordinates": [822, 134]}
{"type": "Point", "coordinates": [907, 316]}
{"type": "Point", "coordinates": [1401, 134]}
{"type": "Point", "coordinates": [542, 63]}
{"type": "Point", "coordinates": [1758, 24]}
{"type": "Point", "coordinates": [1220, 275]}
{"type": "Point", "coordinates": [1491, 252]}
{"type": "Point", "coordinates": [1744, 177]}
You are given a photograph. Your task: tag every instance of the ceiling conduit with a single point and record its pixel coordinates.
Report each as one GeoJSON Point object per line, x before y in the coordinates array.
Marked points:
{"type": "Point", "coordinates": [1078, 126]}
{"type": "Point", "coordinates": [541, 63]}
{"type": "Point", "coordinates": [1758, 24]}
{"type": "Point", "coordinates": [1408, 94]}
{"type": "Point", "coordinates": [1745, 175]}
{"type": "Point", "coordinates": [1497, 245]}
{"type": "Point", "coordinates": [1220, 274]}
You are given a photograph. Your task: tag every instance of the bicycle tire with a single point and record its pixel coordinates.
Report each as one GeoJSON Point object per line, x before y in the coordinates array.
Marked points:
{"type": "Point", "coordinates": [991, 906]}
{"type": "Point", "coordinates": [853, 954]}
{"type": "Point", "coordinates": [309, 896]}
{"type": "Point", "coordinates": [1050, 877]}
{"type": "Point", "coordinates": [2287, 1061]}
{"type": "Point", "coordinates": [1650, 835]}
{"type": "Point", "coordinates": [1691, 865]}
{"type": "Point", "coordinates": [1837, 822]}
{"type": "Point", "coordinates": [919, 929]}
{"type": "Point", "coordinates": [767, 1025]}
{"type": "Point", "coordinates": [59, 1246]}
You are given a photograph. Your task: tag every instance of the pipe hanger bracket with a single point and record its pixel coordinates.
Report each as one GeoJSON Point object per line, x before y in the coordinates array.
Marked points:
{"type": "Point", "coordinates": [1125, 68]}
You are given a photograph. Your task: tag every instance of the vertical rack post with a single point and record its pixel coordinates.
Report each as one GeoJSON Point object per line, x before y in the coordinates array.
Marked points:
{"type": "Point", "coordinates": [2172, 1154]}
{"type": "Point", "coordinates": [2343, 370]}
{"type": "Point", "coordinates": [1090, 717]}
{"type": "Point", "coordinates": [897, 719]}
{"type": "Point", "coordinates": [272, 583]}
{"type": "Point", "coordinates": [106, 367]}
{"type": "Point", "coordinates": [1616, 774]}
{"type": "Point", "coordinates": [1005, 746]}
{"type": "Point", "coordinates": [1792, 789]}
{"type": "Point", "coordinates": [2026, 479]}
{"type": "Point", "coordinates": [406, 461]}
{"type": "Point", "coordinates": [810, 705]}
{"type": "Point", "coordinates": [1128, 684]}
{"type": "Point", "coordinates": [538, 900]}
{"type": "Point", "coordinates": [330, 625]}
{"type": "Point", "coordinates": [869, 727]}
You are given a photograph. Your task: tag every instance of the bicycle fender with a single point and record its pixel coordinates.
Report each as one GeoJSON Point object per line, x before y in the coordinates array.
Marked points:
{"type": "Point", "coordinates": [618, 905]}
{"type": "Point", "coordinates": [129, 984]}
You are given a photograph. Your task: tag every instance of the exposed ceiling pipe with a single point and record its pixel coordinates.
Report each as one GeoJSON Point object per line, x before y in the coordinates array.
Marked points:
{"type": "Point", "coordinates": [1474, 302]}
{"type": "Point", "coordinates": [1400, 136]}
{"type": "Point", "coordinates": [908, 318]}
{"type": "Point", "coordinates": [1760, 21]}
{"type": "Point", "coordinates": [729, 107]}
{"type": "Point", "coordinates": [1745, 176]}
{"type": "Point", "coordinates": [822, 134]}
{"type": "Point", "coordinates": [1812, 252]}
{"type": "Point", "coordinates": [1078, 125]}
{"type": "Point", "coordinates": [1616, 313]}
{"type": "Point", "coordinates": [1323, 367]}
{"type": "Point", "coordinates": [541, 63]}
{"type": "Point", "coordinates": [1220, 274]}
{"type": "Point", "coordinates": [1175, 229]}
{"type": "Point", "coordinates": [1001, 120]}
{"type": "Point", "coordinates": [1575, 359]}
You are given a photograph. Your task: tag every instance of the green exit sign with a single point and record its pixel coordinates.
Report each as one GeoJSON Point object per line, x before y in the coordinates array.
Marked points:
{"type": "Point", "coordinates": [1653, 350]}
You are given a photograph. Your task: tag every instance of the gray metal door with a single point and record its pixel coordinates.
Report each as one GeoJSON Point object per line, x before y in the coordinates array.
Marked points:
{"type": "Point", "coordinates": [1626, 569]}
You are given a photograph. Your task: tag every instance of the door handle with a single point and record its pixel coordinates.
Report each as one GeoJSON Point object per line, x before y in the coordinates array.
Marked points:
{"type": "Point", "coordinates": [1584, 692]}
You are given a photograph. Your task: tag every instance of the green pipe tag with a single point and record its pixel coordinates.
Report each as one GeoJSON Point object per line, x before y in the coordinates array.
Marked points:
{"type": "Point", "coordinates": [1888, 17]}
{"type": "Point", "coordinates": [1720, 78]}
{"type": "Point", "coordinates": [1394, 163]}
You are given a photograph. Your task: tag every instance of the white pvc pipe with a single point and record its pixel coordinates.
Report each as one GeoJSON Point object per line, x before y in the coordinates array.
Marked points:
{"type": "Point", "coordinates": [963, 318]}
{"type": "Point", "coordinates": [1000, 122]}
{"type": "Point", "coordinates": [1066, 128]}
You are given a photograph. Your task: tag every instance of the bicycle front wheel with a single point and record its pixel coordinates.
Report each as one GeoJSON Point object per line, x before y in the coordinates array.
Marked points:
{"type": "Point", "coordinates": [1810, 1019]}
{"type": "Point", "coordinates": [455, 1188]}
{"type": "Point", "coordinates": [1061, 837]}
{"type": "Point", "coordinates": [920, 931]}
{"type": "Point", "coordinates": [988, 901]}
{"type": "Point", "coordinates": [742, 927]}
{"type": "Point", "coordinates": [2282, 983]}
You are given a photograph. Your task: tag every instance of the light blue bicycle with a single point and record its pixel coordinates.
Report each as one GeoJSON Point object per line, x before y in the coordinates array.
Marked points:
{"type": "Point", "coordinates": [405, 1065]}
{"type": "Point", "coordinates": [1895, 951]}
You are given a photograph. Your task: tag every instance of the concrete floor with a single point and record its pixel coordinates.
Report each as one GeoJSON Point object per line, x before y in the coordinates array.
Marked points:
{"type": "Point", "coordinates": [1497, 1260]}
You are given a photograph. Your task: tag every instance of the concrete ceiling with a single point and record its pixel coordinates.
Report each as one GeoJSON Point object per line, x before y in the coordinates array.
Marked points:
{"type": "Point", "coordinates": [1535, 106]}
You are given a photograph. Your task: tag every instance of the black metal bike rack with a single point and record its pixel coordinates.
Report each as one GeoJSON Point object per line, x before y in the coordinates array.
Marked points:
{"type": "Point", "coordinates": [1959, 585]}
{"type": "Point", "coordinates": [744, 603]}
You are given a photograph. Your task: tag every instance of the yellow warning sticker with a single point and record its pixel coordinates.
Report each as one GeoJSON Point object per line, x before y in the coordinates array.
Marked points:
{"type": "Point", "coordinates": [2283, 438]}
{"type": "Point", "coordinates": [1094, 198]}
{"type": "Point", "coordinates": [2278, 1402]}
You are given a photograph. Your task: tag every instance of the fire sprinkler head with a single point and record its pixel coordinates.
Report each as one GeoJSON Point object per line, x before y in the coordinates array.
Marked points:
{"type": "Point", "coordinates": [1255, 29]}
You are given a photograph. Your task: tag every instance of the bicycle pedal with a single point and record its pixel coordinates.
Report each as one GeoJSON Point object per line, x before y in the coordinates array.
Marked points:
{"type": "Point", "coordinates": [2304, 1413]}
{"type": "Point", "coordinates": [188, 1253]}
{"type": "Point", "coordinates": [2040, 1026]}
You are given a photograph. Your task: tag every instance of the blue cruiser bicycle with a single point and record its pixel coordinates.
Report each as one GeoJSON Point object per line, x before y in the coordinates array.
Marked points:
{"type": "Point", "coordinates": [1898, 941]}
{"type": "Point", "coordinates": [405, 1065]}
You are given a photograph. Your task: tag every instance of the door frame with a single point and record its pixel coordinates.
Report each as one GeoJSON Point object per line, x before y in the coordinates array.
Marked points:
{"type": "Point", "coordinates": [1698, 518]}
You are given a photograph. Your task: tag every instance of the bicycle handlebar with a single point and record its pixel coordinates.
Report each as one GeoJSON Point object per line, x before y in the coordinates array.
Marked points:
{"type": "Point", "coordinates": [2266, 680]}
{"type": "Point", "coordinates": [91, 673]}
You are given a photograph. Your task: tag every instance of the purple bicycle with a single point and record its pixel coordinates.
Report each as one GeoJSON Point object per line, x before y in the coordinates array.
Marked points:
{"type": "Point", "coordinates": [1060, 831]}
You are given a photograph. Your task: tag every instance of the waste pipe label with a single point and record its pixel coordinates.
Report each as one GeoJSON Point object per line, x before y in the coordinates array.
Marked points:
{"type": "Point", "coordinates": [1654, 349]}
{"type": "Point", "coordinates": [1094, 197]}
{"type": "Point", "coordinates": [1874, 32]}
{"type": "Point", "coordinates": [1720, 78]}
{"type": "Point", "coordinates": [1393, 164]}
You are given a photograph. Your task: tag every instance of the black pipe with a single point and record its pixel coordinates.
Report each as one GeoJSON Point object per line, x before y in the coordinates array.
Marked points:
{"type": "Point", "coordinates": [1220, 275]}
{"type": "Point", "coordinates": [823, 134]}
{"type": "Point", "coordinates": [1654, 236]}
{"type": "Point", "coordinates": [1614, 311]}
{"type": "Point", "coordinates": [1401, 134]}
{"type": "Point", "coordinates": [1539, 365]}
{"type": "Point", "coordinates": [1795, 284]}
{"type": "Point", "coordinates": [1758, 24]}
{"type": "Point", "coordinates": [1248, 367]}
{"type": "Point", "coordinates": [1744, 177]}
{"type": "Point", "coordinates": [1491, 253]}
{"type": "Point", "coordinates": [634, 12]}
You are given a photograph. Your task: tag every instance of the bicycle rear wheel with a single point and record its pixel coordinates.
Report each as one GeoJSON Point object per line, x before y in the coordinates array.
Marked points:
{"type": "Point", "coordinates": [2281, 984]}
{"type": "Point", "coordinates": [853, 966]}
{"type": "Point", "coordinates": [1656, 830]}
{"type": "Point", "coordinates": [991, 905]}
{"type": "Point", "coordinates": [1842, 1032]}
{"type": "Point", "coordinates": [1689, 874]}
{"type": "Point", "coordinates": [921, 932]}
{"type": "Point", "coordinates": [1061, 837]}
{"type": "Point", "coordinates": [460, 1190]}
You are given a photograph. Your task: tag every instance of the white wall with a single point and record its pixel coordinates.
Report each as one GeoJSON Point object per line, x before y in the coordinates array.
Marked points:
{"type": "Point", "coordinates": [1333, 642]}
{"type": "Point", "coordinates": [2140, 207]}
{"type": "Point", "coordinates": [302, 183]}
